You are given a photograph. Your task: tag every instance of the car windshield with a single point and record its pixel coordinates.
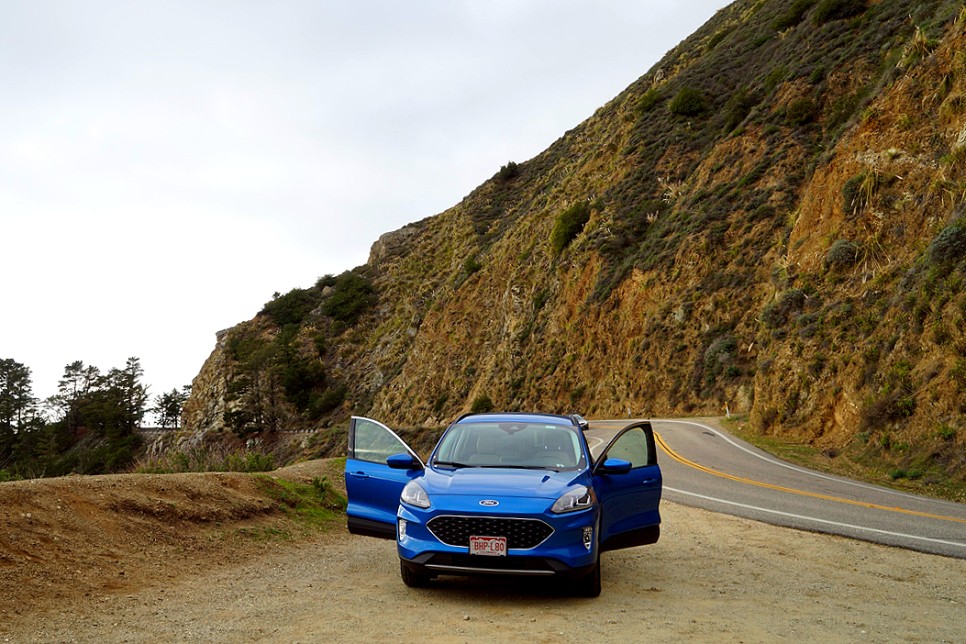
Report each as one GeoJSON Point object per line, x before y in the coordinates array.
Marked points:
{"type": "Point", "coordinates": [510, 445]}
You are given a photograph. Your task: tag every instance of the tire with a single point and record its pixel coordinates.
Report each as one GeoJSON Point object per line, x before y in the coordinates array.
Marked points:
{"type": "Point", "coordinates": [411, 578]}
{"type": "Point", "coordinates": [589, 584]}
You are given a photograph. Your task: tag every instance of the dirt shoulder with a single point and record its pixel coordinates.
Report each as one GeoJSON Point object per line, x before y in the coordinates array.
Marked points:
{"type": "Point", "coordinates": [208, 557]}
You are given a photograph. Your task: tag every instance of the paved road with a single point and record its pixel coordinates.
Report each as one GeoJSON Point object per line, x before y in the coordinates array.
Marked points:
{"type": "Point", "coordinates": [705, 467]}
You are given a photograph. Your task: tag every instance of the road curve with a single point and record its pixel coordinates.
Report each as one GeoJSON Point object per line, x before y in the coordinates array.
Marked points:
{"type": "Point", "coordinates": [708, 468]}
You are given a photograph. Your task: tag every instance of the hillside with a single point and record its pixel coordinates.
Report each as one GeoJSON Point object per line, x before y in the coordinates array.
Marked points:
{"type": "Point", "coordinates": [769, 221]}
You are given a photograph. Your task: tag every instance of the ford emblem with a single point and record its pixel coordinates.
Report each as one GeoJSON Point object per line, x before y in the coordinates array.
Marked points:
{"type": "Point", "coordinates": [489, 503]}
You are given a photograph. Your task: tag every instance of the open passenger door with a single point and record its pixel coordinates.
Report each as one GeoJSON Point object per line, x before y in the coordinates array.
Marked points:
{"type": "Point", "coordinates": [628, 482]}
{"type": "Point", "coordinates": [377, 467]}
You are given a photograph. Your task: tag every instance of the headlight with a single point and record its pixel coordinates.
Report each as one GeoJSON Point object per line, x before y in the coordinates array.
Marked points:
{"type": "Point", "coordinates": [414, 494]}
{"type": "Point", "coordinates": [579, 498]}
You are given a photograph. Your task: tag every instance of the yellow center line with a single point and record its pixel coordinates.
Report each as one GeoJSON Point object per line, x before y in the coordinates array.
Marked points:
{"type": "Point", "coordinates": [680, 459]}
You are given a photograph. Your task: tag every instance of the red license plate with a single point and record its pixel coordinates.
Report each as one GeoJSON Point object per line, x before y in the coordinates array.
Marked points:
{"type": "Point", "coordinates": [488, 546]}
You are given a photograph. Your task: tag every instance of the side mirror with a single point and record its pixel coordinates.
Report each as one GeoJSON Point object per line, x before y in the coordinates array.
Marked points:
{"type": "Point", "coordinates": [403, 461]}
{"type": "Point", "coordinates": [614, 466]}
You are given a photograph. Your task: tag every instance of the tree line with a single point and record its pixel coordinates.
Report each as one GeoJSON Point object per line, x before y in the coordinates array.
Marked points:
{"type": "Point", "coordinates": [88, 427]}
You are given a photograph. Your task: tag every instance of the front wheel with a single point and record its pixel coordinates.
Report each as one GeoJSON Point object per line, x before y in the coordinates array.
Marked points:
{"type": "Point", "coordinates": [412, 578]}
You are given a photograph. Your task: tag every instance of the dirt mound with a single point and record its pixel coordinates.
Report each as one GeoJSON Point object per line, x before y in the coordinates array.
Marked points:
{"type": "Point", "coordinates": [69, 537]}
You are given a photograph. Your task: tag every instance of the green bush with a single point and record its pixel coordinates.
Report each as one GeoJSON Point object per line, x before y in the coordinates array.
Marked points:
{"type": "Point", "coordinates": [719, 356]}
{"type": "Point", "coordinates": [946, 432]}
{"type": "Point", "coordinates": [291, 308]}
{"type": "Point", "coordinates": [471, 264]}
{"type": "Point", "coordinates": [510, 171]}
{"type": "Point", "coordinates": [949, 246]}
{"type": "Point", "coordinates": [647, 102]}
{"type": "Point", "coordinates": [842, 255]}
{"type": "Point", "coordinates": [481, 404]}
{"type": "Point", "coordinates": [689, 102]}
{"type": "Point", "coordinates": [352, 296]}
{"type": "Point", "coordinates": [801, 111]}
{"type": "Point", "coordinates": [793, 15]}
{"type": "Point", "coordinates": [299, 378]}
{"type": "Point", "coordinates": [569, 224]}
{"type": "Point", "coordinates": [829, 10]}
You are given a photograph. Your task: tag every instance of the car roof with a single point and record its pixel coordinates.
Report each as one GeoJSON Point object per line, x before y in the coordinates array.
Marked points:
{"type": "Point", "coordinates": [515, 417]}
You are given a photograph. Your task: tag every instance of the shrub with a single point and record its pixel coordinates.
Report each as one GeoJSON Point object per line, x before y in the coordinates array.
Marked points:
{"type": "Point", "coordinates": [471, 264]}
{"type": "Point", "coordinates": [801, 111]}
{"type": "Point", "coordinates": [793, 15]}
{"type": "Point", "coordinates": [352, 295]}
{"type": "Point", "coordinates": [291, 308]}
{"type": "Point", "coordinates": [647, 102]}
{"type": "Point", "coordinates": [510, 171]}
{"type": "Point", "coordinates": [299, 378]}
{"type": "Point", "coordinates": [481, 404]}
{"type": "Point", "coordinates": [842, 255]}
{"type": "Point", "coordinates": [689, 102]}
{"type": "Point", "coordinates": [569, 224]}
{"type": "Point", "coordinates": [949, 246]}
{"type": "Point", "coordinates": [946, 433]}
{"type": "Point", "coordinates": [829, 10]}
{"type": "Point", "coordinates": [720, 353]}
{"type": "Point", "coordinates": [775, 314]}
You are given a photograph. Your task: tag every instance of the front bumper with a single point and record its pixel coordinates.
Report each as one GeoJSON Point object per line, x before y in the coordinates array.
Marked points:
{"type": "Point", "coordinates": [563, 553]}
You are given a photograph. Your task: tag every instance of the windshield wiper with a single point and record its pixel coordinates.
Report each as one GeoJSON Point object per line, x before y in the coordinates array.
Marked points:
{"type": "Point", "coordinates": [454, 464]}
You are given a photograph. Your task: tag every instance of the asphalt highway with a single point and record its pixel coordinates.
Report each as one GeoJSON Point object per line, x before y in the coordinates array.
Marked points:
{"type": "Point", "coordinates": [705, 467]}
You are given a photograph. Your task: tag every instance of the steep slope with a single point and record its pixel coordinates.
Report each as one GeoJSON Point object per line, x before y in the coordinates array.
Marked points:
{"type": "Point", "coordinates": [769, 221]}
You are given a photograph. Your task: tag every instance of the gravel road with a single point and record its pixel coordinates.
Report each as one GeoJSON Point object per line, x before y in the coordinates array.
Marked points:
{"type": "Point", "coordinates": [710, 578]}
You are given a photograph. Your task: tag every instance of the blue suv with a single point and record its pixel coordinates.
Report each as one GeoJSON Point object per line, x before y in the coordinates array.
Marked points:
{"type": "Point", "coordinates": [506, 494]}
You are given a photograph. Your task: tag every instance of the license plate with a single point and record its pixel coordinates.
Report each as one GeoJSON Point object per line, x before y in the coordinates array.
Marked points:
{"type": "Point", "coordinates": [488, 546]}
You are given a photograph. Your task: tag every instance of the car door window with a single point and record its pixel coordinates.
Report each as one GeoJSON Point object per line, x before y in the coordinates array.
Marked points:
{"type": "Point", "coordinates": [374, 442]}
{"type": "Point", "coordinates": [635, 446]}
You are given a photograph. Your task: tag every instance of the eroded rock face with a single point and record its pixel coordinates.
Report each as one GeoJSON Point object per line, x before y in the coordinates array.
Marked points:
{"type": "Point", "coordinates": [700, 281]}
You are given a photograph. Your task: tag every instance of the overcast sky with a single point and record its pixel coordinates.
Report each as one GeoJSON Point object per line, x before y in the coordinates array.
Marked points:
{"type": "Point", "coordinates": [165, 167]}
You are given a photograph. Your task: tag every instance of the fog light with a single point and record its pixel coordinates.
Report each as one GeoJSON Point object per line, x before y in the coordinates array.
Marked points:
{"type": "Point", "coordinates": [588, 538]}
{"type": "Point", "coordinates": [402, 529]}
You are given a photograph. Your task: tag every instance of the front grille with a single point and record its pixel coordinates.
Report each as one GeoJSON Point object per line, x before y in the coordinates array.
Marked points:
{"type": "Point", "coordinates": [521, 534]}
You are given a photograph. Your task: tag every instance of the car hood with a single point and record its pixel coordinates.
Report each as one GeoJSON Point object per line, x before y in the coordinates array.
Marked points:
{"type": "Point", "coordinates": [499, 482]}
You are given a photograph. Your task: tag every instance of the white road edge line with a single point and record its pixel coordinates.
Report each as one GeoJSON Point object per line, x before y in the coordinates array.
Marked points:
{"type": "Point", "coordinates": [824, 521]}
{"type": "Point", "coordinates": [800, 470]}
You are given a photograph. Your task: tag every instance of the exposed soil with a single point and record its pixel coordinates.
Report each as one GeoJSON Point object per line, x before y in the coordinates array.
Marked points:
{"type": "Point", "coordinates": [207, 557]}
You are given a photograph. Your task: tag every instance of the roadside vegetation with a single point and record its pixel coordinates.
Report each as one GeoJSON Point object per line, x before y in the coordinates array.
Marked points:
{"type": "Point", "coordinates": [892, 466]}
{"type": "Point", "coordinates": [310, 505]}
